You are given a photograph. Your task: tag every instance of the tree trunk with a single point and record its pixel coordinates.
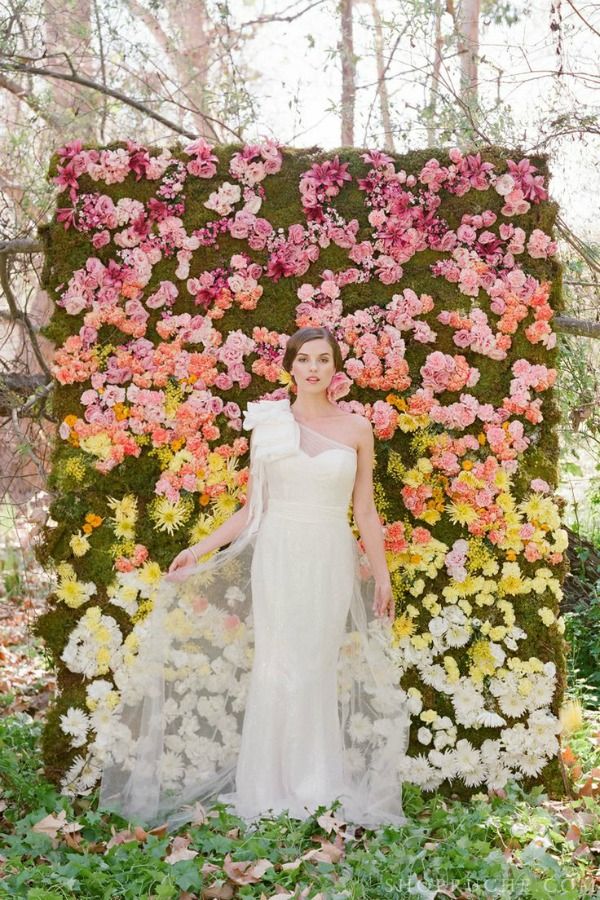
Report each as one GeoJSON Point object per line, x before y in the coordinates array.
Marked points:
{"type": "Point", "coordinates": [468, 47]}
{"type": "Point", "coordinates": [384, 101]}
{"type": "Point", "coordinates": [348, 74]}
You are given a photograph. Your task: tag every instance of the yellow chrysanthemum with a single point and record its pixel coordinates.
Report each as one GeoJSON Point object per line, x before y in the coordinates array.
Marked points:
{"type": "Point", "coordinates": [461, 513]}
{"type": "Point", "coordinates": [482, 657]}
{"type": "Point", "coordinates": [65, 571]}
{"type": "Point", "coordinates": [74, 593]}
{"type": "Point", "coordinates": [97, 444]}
{"type": "Point", "coordinates": [169, 516]}
{"type": "Point", "coordinates": [150, 573]}
{"type": "Point", "coordinates": [79, 544]}
{"type": "Point", "coordinates": [180, 459]}
{"type": "Point", "coordinates": [511, 581]}
{"type": "Point", "coordinates": [546, 615]}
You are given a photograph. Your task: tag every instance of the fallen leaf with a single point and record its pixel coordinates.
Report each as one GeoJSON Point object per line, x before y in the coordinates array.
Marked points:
{"type": "Point", "coordinates": [573, 834]}
{"type": "Point", "coordinates": [50, 826]}
{"type": "Point", "coordinates": [327, 852]}
{"type": "Point", "coordinates": [568, 756]}
{"type": "Point", "coordinates": [245, 871]}
{"type": "Point", "coordinates": [180, 851]}
{"type": "Point", "coordinates": [218, 892]}
{"type": "Point", "coordinates": [330, 823]}
{"type": "Point", "coordinates": [121, 837]}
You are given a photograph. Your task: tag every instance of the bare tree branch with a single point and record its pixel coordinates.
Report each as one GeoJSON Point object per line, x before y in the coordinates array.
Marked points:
{"type": "Point", "coordinates": [30, 100]}
{"type": "Point", "coordinates": [21, 315]}
{"type": "Point", "coordinates": [21, 245]}
{"type": "Point", "coordinates": [112, 92]}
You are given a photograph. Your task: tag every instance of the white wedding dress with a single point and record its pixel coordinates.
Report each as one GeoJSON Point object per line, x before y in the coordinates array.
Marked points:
{"type": "Point", "coordinates": [263, 679]}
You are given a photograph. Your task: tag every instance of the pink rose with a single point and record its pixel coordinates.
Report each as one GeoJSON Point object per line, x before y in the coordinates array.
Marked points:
{"type": "Point", "coordinates": [339, 386]}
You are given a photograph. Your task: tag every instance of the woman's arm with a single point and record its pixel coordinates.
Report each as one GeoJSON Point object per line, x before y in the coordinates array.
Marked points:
{"type": "Point", "coordinates": [368, 523]}
{"type": "Point", "coordinates": [224, 534]}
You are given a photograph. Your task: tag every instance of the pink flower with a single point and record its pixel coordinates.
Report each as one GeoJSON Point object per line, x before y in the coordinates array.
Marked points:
{"type": "Point", "coordinates": [540, 245]}
{"type": "Point", "coordinates": [339, 386]}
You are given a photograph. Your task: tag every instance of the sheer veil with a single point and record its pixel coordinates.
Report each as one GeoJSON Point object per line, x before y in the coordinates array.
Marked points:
{"type": "Point", "coordinates": [173, 739]}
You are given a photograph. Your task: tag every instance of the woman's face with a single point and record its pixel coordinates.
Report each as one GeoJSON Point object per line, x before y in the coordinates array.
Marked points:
{"type": "Point", "coordinates": [313, 366]}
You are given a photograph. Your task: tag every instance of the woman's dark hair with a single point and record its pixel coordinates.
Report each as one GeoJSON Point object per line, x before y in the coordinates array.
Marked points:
{"type": "Point", "coordinates": [309, 333]}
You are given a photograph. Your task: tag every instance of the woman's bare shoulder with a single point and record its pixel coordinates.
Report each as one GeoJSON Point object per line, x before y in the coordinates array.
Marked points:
{"type": "Point", "coordinates": [355, 427]}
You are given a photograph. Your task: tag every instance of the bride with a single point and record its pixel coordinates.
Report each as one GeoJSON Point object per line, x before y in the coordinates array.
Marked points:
{"type": "Point", "coordinates": [265, 676]}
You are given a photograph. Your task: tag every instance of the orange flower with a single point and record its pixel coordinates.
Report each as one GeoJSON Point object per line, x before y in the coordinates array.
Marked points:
{"type": "Point", "coordinates": [131, 289]}
{"type": "Point", "coordinates": [121, 411]}
{"type": "Point", "coordinates": [93, 520]}
{"type": "Point", "coordinates": [70, 420]}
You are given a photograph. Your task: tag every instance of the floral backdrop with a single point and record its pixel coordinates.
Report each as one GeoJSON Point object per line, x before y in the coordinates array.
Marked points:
{"type": "Point", "coordinates": [177, 276]}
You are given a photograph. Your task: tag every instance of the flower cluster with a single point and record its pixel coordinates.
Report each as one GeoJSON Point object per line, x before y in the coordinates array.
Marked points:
{"type": "Point", "coordinates": [145, 367]}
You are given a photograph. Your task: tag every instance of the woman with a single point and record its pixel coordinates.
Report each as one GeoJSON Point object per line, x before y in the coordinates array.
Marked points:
{"type": "Point", "coordinates": [266, 678]}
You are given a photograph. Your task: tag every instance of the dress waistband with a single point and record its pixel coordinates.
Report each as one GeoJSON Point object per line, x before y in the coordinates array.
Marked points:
{"type": "Point", "coordinates": [306, 512]}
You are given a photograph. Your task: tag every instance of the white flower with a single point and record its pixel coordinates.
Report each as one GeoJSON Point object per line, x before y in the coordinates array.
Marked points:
{"type": "Point", "coordinates": [234, 595]}
{"type": "Point", "coordinates": [504, 184]}
{"type": "Point", "coordinates": [424, 735]}
{"type": "Point", "coordinates": [76, 723]}
{"type": "Point", "coordinates": [359, 727]}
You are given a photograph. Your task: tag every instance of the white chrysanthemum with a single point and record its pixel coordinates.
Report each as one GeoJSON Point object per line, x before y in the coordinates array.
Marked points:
{"type": "Point", "coordinates": [417, 770]}
{"type": "Point", "coordinates": [446, 763]}
{"type": "Point", "coordinates": [512, 705]}
{"type": "Point", "coordinates": [532, 763]}
{"type": "Point", "coordinates": [174, 743]}
{"type": "Point", "coordinates": [76, 723]}
{"type": "Point", "coordinates": [490, 719]}
{"type": "Point", "coordinates": [542, 692]}
{"type": "Point", "coordinates": [234, 595]}
{"type": "Point", "coordinates": [469, 765]}
{"type": "Point", "coordinates": [171, 767]}
{"type": "Point", "coordinates": [359, 727]}
{"type": "Point", "coordinates": [467, 701]}
{"type": "Point", "coordinates": [99, 690]}
{"type": "Point", "coordinates": [93, 644]}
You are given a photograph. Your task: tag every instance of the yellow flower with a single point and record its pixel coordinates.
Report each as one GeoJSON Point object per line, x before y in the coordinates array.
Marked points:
{"type": "Point", "coordinates": [511, 581]}
{"type": "Point", "coordinates": [546, 615]}
{"type": "Point", "coordinates": [97, 444]}
{"type": "Point", "coordinates": [65, 571]}
{"type": "Point", "coordinates": [75, 469]}
{"type": "Point", "coordinates": [482, 656]}
{"type": "Point", "coordinates": [501, 479]}
{"type": "Point", "coordinates": [524, 687]}
{"type": "Point", "coordinates": [285, 378]}
{"type": "Point", "coordinates": [571, 716]}
{"type": "Point", "coordinates": [75, 593]}
{"type": "Point", "coordinates": [79, 544]}
{"type": "Point", "coordinates": [461, 513]}
{"type": "Point", "coordinates": [414, 478]}
{"type": "Point", "coordinates": [170, 516]}
{"type": "Point", "coordinates": [150, 573]}
{"type": "Point", "coordinates": [125, 508]}
{"type": "Point", "coordinates": [403, 626]}
{"type": "Point", "coordinates": [419, 642]}
{"type": "Point", "coordinates": [179, 459]}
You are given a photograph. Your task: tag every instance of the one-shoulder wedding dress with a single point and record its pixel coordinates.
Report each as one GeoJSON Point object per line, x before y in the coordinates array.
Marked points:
{"type": "Point", "coordinates": [262, 677]}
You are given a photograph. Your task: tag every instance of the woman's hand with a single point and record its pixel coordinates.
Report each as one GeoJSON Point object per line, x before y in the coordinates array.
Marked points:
{"type": "Point", "coordinates": [183, 560]}
{"type": "Point", "coordinates": [383, 602]}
